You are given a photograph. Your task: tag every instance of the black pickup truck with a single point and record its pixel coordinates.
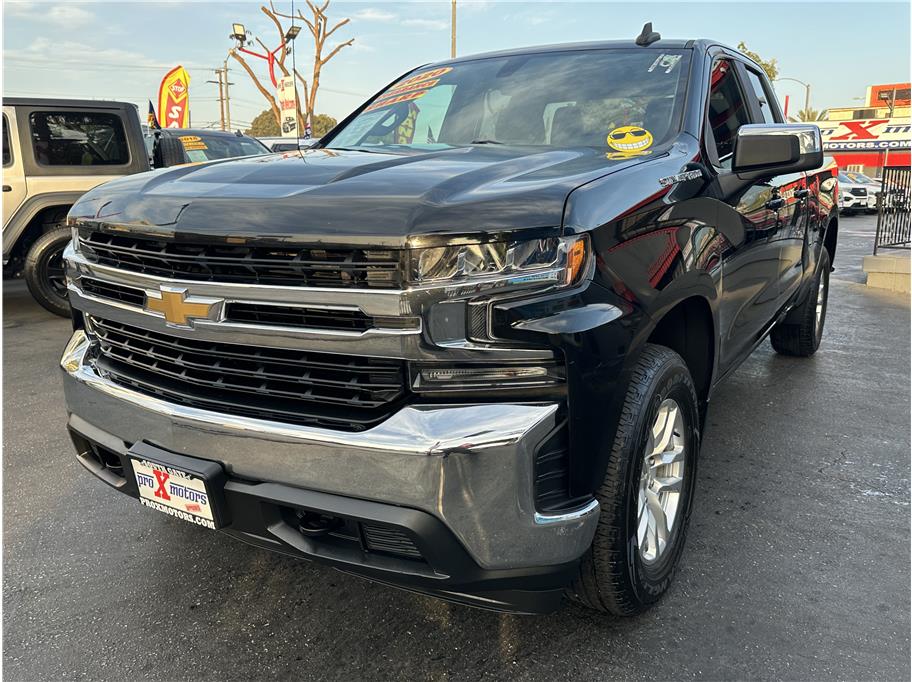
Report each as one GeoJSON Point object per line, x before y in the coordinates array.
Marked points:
{"type": "Point", "coordinates": [467, 345]}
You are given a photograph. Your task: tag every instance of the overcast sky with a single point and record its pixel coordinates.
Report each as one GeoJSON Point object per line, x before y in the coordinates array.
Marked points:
{"type": "Point", "coordinates": [121, 50]}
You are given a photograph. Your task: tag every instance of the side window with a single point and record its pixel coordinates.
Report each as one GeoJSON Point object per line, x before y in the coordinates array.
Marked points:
{"type": "Point", "coordinates": [7, 150]}
{"type": "Point", "coordinates": [73, 138]}
{"type": "Point", "coordinates": [766, 109]}
{"type": "Point", "coordinates": [727, 108]}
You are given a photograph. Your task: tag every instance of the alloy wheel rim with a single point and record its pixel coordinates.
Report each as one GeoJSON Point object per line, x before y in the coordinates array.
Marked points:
{"type": "Point", "coordinates": [55, 273]}
{"type": "Point", "coordinates": [661, 482]}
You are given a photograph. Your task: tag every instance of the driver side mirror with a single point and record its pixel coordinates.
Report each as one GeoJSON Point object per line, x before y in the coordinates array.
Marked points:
{"type": "Point", "coordinates": [778, 148]}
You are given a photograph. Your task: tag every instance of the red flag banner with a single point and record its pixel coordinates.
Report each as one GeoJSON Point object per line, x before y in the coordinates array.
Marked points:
{"type": "Point", "coordinates": [174, 99]}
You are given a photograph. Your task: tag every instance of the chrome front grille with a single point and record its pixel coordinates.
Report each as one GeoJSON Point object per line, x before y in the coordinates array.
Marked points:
{"type": "Point", "coordinates": [304, 317]}
{"type": "Point", "coordinates": [279, 265]}
{"type": "Point", "coordinates": [286, 385]}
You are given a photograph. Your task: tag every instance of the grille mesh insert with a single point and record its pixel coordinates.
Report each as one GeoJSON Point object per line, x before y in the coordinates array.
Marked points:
{"type": "Point", "coordinates": [237, 263]}
{"type": "Point", "coordinates": [268, 383]}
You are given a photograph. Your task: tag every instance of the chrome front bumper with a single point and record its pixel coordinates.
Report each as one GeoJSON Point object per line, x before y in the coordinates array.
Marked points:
{"type": "Point", "coordinates": [471, 466]}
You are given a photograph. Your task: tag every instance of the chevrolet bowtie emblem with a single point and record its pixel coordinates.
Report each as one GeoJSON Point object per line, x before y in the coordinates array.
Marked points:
{"type": "Point", "coordinates": [177, 307]}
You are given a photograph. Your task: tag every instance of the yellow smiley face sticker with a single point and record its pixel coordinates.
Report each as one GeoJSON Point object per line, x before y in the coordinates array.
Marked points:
{"type": "Point", "coordinates": [630, 139]}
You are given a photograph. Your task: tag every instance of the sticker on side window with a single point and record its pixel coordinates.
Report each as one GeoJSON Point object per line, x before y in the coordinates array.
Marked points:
{"type": "Point", "coordinates": [665, 62]}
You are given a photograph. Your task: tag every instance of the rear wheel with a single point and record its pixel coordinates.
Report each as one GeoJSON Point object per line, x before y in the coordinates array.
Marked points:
{"type": "Point", "coordinates": [44, 269]}
{"type": "Point", "coordinates": [800, 336]}
{"type": "Point", "coordinates": [646, 495]}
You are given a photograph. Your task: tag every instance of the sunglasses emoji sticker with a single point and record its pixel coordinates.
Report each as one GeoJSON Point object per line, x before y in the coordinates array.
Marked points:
{"type": "Point", "coordinates": [630, 140]}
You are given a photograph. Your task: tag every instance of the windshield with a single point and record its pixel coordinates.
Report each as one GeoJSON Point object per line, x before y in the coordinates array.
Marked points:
{"type": "Point", "coordinates": [622, 101]}
{"type": "Point", "coordinates": [203, 147]}
{"type": "Point", "coordinates": [842, 177]}
{"type": "Point", "coordinates": [862, 178]}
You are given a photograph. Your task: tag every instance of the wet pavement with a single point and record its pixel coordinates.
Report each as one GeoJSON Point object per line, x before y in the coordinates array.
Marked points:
{"type": "Point", "coordinates": [797, 564]}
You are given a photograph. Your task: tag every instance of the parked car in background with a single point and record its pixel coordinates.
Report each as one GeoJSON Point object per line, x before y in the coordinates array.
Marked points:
{"type": "Point", "coordinates": [870, 184]}
{"type": "Point", "coordinates": [54, 150]}
{"type": "Point", "coordinates": [854, 197]}
{"type": "Point", "coordinates": [467, 345]}
{"type": "Point", "coordinates": [288, 144]}
{"type": "Point", "coordinates": [179, 146]}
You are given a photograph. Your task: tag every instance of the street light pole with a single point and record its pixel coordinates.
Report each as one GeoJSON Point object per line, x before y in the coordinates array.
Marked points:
{"type": "Point", "coordinates": [807, 92]}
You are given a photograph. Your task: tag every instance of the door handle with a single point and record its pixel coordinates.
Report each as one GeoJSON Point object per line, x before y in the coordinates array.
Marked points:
{"type": "Point", "coordinates": [801, 193]}
{"type": "Point", "coordinates": [7, 188]}
{"type": "Point", "coordinates": [775, 204]}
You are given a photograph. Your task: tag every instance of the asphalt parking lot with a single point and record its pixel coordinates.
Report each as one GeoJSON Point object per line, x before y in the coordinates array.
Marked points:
{"type": "Point", "coordinates": [797, 564]}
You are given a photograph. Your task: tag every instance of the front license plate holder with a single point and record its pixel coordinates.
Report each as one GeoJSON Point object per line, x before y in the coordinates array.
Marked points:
{"type": "Point", "coordinates": [187, 488]}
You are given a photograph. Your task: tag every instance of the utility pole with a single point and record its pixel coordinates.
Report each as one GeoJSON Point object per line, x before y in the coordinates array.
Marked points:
{"type": "Point", "coordinates": [221, 98]}
{"type": "Point", "coordinates": [227, 97]}
{"type": "Point", "coordinates": [453, 31]}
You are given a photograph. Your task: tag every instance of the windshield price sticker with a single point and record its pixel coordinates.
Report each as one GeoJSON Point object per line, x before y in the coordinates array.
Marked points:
{"type": "Point", "coordinates": [407, 97]}
{"type": "Point", "coordinates": [192, 142]}
{"type": "Point", "coordinates": [412, 86]}
{"type": "Point", "coordinates": [421, 77]}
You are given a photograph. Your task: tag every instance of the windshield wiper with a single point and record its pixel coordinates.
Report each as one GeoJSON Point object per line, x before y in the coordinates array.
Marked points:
{"type": "Point", "coordinates": [485, 142]}
{"type": "Point", "coordinates": [366, 150]}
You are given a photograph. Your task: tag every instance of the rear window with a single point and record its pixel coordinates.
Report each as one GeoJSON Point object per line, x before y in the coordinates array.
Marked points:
{"type": "Point", "coordinates": [75, 138]}
{"type": "Point", "coordinates": [7, 154]}
{"type": "Point", "coordinates": [202, 147]}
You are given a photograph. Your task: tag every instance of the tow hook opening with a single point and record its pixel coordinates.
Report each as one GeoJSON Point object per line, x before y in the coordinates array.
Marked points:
{"type": "Point", "coordinates": [314, 524]}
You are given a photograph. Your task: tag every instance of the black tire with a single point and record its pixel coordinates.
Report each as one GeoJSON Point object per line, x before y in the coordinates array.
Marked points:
{"type": "Point", "coordinates": [800, 333]}
{"type": "Point", "coordinates": [613, 576]}
{"type": "Point", "coordinates": [44, 271]}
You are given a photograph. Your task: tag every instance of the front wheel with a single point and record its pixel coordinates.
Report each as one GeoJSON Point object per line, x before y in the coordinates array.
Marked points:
{"type": "Point", "coordinates": [44, 271]}
{"type": "Point", "coordinates": [646, 495]}
{"type": "Point", "coordinates": [800, 333]}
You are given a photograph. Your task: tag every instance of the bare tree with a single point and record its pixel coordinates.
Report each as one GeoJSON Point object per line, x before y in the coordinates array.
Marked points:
{"type": "Point", "coordinates": [320, 31]}
{"type": "Point", "coordinates": [276, 58]}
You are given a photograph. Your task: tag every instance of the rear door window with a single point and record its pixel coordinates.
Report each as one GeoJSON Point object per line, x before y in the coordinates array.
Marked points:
{"type": "Point", "coordinates": [75, 138]}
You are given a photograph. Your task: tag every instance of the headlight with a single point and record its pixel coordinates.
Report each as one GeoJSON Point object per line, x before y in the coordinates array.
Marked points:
{"type": "Point", "coordinates": [557, 260]}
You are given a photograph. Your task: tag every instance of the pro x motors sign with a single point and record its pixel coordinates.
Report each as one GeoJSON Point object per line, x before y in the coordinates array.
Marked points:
{"type": "Point", "coordinates": [864, 135]}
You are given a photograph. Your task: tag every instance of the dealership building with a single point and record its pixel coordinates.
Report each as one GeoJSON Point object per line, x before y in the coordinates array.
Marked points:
{"type": "Point", "coordinates": [866, 138]}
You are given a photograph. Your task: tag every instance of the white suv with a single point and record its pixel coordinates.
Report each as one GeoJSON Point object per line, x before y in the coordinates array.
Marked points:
{"type": "Point", "coordinates": [54, 151]}
{"type": "Point", "coordinates": [854, 197]}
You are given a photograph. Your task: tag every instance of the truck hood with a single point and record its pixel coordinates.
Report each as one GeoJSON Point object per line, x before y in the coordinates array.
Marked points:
{"type": "Point", "coordinates": [354, 197]}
